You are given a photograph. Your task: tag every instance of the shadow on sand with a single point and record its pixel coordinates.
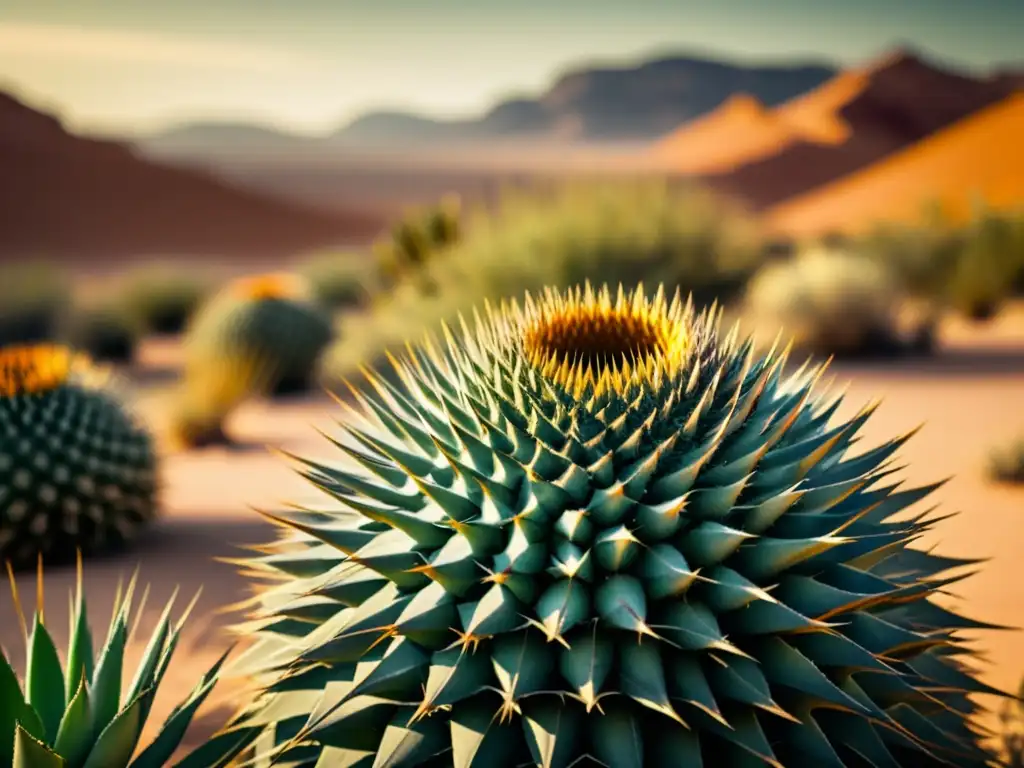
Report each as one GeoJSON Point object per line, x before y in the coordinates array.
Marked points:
{"type": "Point", "coordinates": [1007, 361]}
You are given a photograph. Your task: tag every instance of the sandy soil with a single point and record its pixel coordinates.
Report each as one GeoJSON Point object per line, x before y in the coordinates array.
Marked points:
{"type": "Point", "coordinates": [969, 398]}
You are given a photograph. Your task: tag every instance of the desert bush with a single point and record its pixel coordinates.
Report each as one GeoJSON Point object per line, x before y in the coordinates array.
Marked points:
{"type": "Point", "coordinates": [560, 234]}
{"type": "Point", "coordinates": [266, 317]}
{"type": "Point", "coordinates": [598, 529]}
{"type": "Point", "coordinates": [34, 301]}
{"type": "Point", "coordinates": [78, 468]}
{"type": "Point", "coordinates": [414, 242]}
{"type": "Point", "coordinates": [831, 302]}
{"type": "Point", "coordinates": [990, 260]}
{"type": "Point", "coordinates": [1006, 462]}
{"type": "Point", "coordinates": [163, 298]}
{"type": "Point", "coordinates": [340, 280]}
{"type": "Point", "coordinates": [105, 329]}
{"type": "Point", "coordinates": [82, 715]}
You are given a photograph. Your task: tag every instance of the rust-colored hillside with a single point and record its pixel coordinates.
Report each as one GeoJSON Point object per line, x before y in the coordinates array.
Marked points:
{"type": "Point", "coordinates": [978, 158]}
{"type": "Point", "coordinates": [64, 196]}
{"type": "Point", "coordinates": [856, 120]}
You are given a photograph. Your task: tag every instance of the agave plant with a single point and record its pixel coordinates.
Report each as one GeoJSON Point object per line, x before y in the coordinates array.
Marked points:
{"type": "Point", "coordinates": [79, 716]}
{"type": "Point", "coordinates": [592, 529]}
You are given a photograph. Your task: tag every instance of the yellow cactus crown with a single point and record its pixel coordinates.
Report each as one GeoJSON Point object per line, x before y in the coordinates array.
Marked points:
{"type": "Point", "coordinates": [35, 368]}
{"type": "Point", "coordinates": [273, 285]}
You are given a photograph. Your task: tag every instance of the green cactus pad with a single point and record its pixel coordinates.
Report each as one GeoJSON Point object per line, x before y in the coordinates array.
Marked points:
{"type": "Point", "coordinates": [77, 468]}
{"type": "Point", "coordinates": [594, 530]}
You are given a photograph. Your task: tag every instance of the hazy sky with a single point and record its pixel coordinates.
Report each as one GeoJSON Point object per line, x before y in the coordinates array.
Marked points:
{"type": "Point", "coordinates": [118, 65]}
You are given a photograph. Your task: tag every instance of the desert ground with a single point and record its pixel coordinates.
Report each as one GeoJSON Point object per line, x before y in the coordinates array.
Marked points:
{"type": "Point", "coordinates": [969, 397]}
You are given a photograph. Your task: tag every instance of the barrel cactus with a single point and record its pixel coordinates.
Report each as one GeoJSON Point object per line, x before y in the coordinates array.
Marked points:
{"type": "Point", "coordinates": [78, 469]}
{"type": "Point", "coordinates": [594, 529]}
{"type": "Point", "coordinates": [272, 317]}
{"type": "Point", "coordinates": [80, 716]}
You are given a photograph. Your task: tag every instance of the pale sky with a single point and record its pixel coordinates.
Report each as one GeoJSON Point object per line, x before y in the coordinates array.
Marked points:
{"type": "Point", "coordinates": [311, 65]}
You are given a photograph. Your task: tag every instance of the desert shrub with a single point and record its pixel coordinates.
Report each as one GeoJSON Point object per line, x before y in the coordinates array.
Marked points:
{"type": "Point", "coordinates": [81, 714]}
{"type": "Point", "coordinates": [105, 329]}
{"type": "Point", "coordinates": [829, 301]}
{"type": "Point", "coordinates": [267, 317]}
{"type": "Point", "coordinates": [34, 302]}
{"type": "Point", "coordinates": [415, 241]}
{"type": "Point", "coordinates": [163, 298]}
{"type": "Point", "coordinates": [77, 467]}
{"type": "Point", "coordinates": [1006, 462]}
{"type": "Point", "coordinates": [340, 280]}
{"type": "Point", "coordinates": [560, 234]}
{"type": "Point", "coordinates": [989, 263]}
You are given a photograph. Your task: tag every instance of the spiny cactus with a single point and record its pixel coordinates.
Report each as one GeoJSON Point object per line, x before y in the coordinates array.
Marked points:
{"type": "Point", "coordinates": [80, 716]}
{"type": "Point", "coordinates": [78, 470]}
{"type": "Point", "coordinates": [270, 317]}
{"type": "Point", "coordinates": [592, 529]}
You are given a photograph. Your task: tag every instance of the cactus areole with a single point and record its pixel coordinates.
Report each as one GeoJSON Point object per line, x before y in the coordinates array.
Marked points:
{"type": "Point", "coordinates": [78, 471]}
{"type": "Point", "coordinates": [590, 529]}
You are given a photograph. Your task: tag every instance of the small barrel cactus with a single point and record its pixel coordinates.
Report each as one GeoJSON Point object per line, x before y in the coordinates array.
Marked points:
{"type": "Point", "coordinates": [592, 530]}
{"type": "Point", "coordinates": [270, 317]}
{"type": "Point", "coordinates": [81, 716]}
{"type": "Point", "coordinates": [78, 470]}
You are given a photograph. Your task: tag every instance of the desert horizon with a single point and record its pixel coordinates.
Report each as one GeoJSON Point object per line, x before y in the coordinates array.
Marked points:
{"type": "Point", "coordinates": [212, 235]}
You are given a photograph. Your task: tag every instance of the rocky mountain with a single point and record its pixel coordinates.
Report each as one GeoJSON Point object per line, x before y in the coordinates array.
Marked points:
{"type": "Point", "coordinates": [899, 101]}
{"type": "Point", "coordinates": [65, 195]}
{"type": "Point", "coordinates": [597, 104]}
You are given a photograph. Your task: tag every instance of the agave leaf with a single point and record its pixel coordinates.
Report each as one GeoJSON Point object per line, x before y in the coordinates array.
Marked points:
{"type": "Point", "coordinates": [709, 543]}
{"type": "Point", "coordinates": [399, 675]}
{"type": "Point", "coordinates": [616, 548]}
{"type": "Point", "coordinates": [411, 741]}
{"type": "Point", "coordinates": [477, 738]}
{"type": "Point", "coordinates": [642, 676]}
{"type": "Point", "coordinates": [29, 752]}
{"type": "Point", "coordinates": [335, 757]}
{"type": "Point", "coordinates": [496, 612]}
{"type": "Point", "coordinates": [159, 751]}
{"type": "Point", "coordinates": [562, 606]}
{"type": "Point", "coordinates": [621, 602]}
{"type": "Point", "coordinates": [674, 746]}
{"type": "Point", "coordinates": [552, 730]}
{"type": "Point", "coordinates": [146, 672]}
{"type": "Point", "coordinates": [80, 652]}
{"type": "Point", "coordinates": [74, 736]}
{"type": "Point", "coordinates": [665, 572]}
{"type": "Point", "coordinates": [522, 664]}
{"type": "Point", "coordinates": [13, 709]}
{"type": "Point", "coordinates": [686, 682]}
{"type": "Point", "coordinates": [618, 740]}
{"type": "Point", "coordinates": [44, 680]}
{"type": "Point", "coordinates": [429, 617]}
{"type": "Point", "coordinates": [117, 741]}
{"type": "Point", "coordinates": [456, 674]}
{"type": "Point", "coordinates": [105, 695]}
{"type": "Point", "coordinates": [357, 724]}
{"type": "Point", "coordinates": [586, 663]}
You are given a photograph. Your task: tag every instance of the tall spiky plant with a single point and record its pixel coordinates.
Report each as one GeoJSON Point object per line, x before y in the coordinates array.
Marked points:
{"type": "Point", "coordinates": [79, 716]}
{"type": "Point", "coordinates": [593, 530]}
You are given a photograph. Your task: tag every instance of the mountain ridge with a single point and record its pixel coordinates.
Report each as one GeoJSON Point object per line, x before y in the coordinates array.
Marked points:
{"type": "Point", "coordinates": [67, 195]}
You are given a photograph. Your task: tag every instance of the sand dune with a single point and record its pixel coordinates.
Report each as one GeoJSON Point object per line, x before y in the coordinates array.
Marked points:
{"type": "Point", "coordinates": [743, 129]}
{"type": "Point", "coordinates": [740, 130]}
{"type": "Point", "coordinates": [981, 156]}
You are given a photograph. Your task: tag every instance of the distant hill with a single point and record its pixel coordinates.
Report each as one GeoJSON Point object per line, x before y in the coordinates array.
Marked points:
{"type": "Point", "coordinates": [861, 117]}
{"type": "Point", "coordinates": [598, 104]}
{"type": "Point", "coordinates": [979, 157]}
{"type": "Point", "coordinates": [64, 195]}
